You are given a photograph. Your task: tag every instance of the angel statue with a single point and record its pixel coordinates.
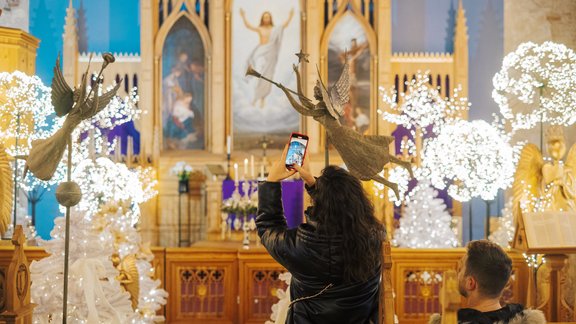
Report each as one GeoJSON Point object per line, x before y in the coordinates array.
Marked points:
{"type": "Point", "coordinates": [364, 155]}
{"type": "Point", "coordinates": [550, 183]}
{"type": "Point", "coordinates": [77, 105]}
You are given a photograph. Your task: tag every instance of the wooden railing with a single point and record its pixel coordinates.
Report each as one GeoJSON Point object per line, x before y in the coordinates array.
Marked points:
{"type": "Point", "coordinates": [223, 283]}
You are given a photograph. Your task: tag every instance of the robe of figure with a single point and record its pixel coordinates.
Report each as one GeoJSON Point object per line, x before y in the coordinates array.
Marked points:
{"type": "Point", "coordinates": [263, 59]}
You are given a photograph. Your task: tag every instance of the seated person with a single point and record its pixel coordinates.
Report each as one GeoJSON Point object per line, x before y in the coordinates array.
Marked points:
{"type": "Point", "coordinates": [482, 275]}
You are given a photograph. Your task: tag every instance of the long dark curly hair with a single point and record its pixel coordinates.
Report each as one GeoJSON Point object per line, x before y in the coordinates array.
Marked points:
{"type": "Point", "coordinates": [341, 208]}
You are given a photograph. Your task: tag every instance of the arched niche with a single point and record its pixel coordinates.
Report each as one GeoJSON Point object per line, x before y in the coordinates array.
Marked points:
{"type": "Point", "coordinates": [181, 72]}
{"type": "Point", "coordinates": [349, 32]}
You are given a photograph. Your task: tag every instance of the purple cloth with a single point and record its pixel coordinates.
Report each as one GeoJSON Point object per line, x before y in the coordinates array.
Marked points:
{"type": "Point", "coordinates": [292, 199]}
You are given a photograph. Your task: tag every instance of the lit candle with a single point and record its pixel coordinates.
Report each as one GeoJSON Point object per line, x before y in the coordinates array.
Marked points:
{"type": "Point", "coordinates": [118, 150]}
{"type": "Point", "coordinates": [262, 171]}
{"type": "Point", "coordinates": [228, 145]}
{"type": "Point", "coordinates": [252, 166]}
{"type": "Point", "coordinates": [245, 167]}
{"type": "Point", "coordinates": [236, 173]}
{"type": "Point", "coordinates": [129, 150]}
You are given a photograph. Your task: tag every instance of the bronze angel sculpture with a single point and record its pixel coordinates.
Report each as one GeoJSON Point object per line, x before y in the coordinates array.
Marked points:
{"type": "Point", "coordinates": [364, 155]}
{"type": "Point", "coordinates": [549, 184]}
{"type": "Point", "coordinates": [77, 105]}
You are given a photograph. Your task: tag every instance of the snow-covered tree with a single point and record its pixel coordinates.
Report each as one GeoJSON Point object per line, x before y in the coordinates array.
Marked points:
{"type": "Point", "coordinates": [425, 222]}
{"type": "Point", "coordinates": [94, 294]}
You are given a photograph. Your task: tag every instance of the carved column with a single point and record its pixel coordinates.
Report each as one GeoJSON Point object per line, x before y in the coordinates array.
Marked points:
{"type": "Point", "coordinates": [213, 205]}
{"type": "Point", "coordinates": [16, 282]}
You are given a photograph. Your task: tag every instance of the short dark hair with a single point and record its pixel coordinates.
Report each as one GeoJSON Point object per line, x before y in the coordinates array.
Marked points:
{"type": "Point", "coordinates": [489, 265]}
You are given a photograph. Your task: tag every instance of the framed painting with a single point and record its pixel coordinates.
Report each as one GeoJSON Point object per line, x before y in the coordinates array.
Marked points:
{"type": "Point", "coordinates": [183, 90]}
{"type": "Point", "coordinates": [265, 36]}
{"type": "Point", "coordinates": [349, 39]}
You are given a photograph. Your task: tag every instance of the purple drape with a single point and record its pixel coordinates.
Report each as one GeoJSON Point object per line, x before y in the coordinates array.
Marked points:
{"type": "Point", "coordinates": [292, 199]}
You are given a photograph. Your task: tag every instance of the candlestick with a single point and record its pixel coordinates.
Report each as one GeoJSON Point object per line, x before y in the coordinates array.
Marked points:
{"type": "Point", "coordinates": [129, 150]}
{"type": "Point", "coordinates": [252, 166]}
{"type": "Point", "coordinates": [228, 144]}
{"type": "Point", "coordinates": [118, 150]}
{"type": "Point", "coordinates": [245, 168]}
{"type": "Point", "coordinates": [236, 173]}
{"type": "Point", "coordinates": [262, 171]}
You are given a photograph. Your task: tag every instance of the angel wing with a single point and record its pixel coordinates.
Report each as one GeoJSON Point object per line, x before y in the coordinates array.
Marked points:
{"type": "Point", "coordinates": [6, 190]}
{"type": "Point", "coordinates": [571, 159]}
{"type": "Point", "coordinates": [340, 91]}
{"type": "Point", "coordinates": [102, 101]}
{"type": "Point", "coordinates": [62, 94]}
{"type": "Point", "coordinates": [528, 176]}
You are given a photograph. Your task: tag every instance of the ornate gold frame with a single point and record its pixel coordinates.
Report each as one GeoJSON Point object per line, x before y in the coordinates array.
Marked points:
{"type": "Point", "coordinates": [228, 49]}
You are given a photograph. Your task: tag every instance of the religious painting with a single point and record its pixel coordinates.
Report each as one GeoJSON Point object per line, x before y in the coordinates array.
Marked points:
{"type": "Point", "coordinates": [14, 14]}
{"type": "Point", "coordinates": [183, 102]}
{"type": "Point", "coordinates": [265, 36]}
{"type": "Point", "coordinates": [349, 39]}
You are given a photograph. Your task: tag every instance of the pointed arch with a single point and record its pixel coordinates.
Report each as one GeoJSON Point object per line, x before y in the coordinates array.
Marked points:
{"type": "Point", "coordinates": [350, 7]}
{"type": "Point", "coordinates": [198, 25]}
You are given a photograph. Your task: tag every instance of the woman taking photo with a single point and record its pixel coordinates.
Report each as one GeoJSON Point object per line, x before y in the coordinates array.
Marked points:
{"type": "Point", "coordinates": [334, 257]}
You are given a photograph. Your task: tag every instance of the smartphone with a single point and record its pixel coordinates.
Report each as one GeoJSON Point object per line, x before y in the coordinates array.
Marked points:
{"type": "Point", "coordinates": [296, 150]}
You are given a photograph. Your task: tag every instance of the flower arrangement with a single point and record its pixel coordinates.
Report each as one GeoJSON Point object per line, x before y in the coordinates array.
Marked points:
{"type": "Point", "coordinates": [182, 170]}
{"type": "Point", "coordinates": [241, 205]}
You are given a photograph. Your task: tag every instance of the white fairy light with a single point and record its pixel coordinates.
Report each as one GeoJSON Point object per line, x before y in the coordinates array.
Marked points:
{"type": "Point", "coordinates": [471, 159]}
{"type": "Point", "coordinates": [24, 108]}
{"type": "Point", "coordinates": [425, 222]}
{"type": "Point", "coordinates": [421, 105]}
{"type": "Point", "coordinates": [536, 84]}
{"type": "Point", "coordinates": [507, 226]}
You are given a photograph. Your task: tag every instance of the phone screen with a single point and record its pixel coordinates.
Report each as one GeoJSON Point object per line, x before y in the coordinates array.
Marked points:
{"type": "Point", "coordinates": [296, 150]}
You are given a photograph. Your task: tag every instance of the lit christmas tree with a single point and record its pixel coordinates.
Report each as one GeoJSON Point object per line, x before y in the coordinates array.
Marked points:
{"type": "Point", "coordinates": [425, 222]}
{"type": "Point", "coordinates": [506, 227]}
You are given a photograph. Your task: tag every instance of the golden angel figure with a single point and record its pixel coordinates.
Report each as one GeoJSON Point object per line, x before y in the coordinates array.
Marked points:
{"type": "Point", "coordinates": [552, 183]}
{"type": "Point", "coordinates": [364, 155]}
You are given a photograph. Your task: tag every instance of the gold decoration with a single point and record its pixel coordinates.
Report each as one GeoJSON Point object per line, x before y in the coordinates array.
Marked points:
{"type": "Point", "coordinates": [364, 155]}
{"type": "Point", "coordinates": [129, 277]}
{"type": "Point", "coordinates": [6, 190]}
{"type": "Point", "coordinates": [552, 183]}
{"type": "Point", "coordinates": [201, 290]}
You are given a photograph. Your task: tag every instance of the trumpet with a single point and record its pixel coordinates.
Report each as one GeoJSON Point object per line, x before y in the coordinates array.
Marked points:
{"type": "Point", "coordinates": [251, 72]}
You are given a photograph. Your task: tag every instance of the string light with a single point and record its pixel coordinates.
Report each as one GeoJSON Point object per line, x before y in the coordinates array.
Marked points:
{"type": "Point", "coordinates": [470, 159]}
{"type": "Point", "coordinates": [507, 226]}
{"type": "Point", "coordinates": [536, 84]}
{"type": "Point", "coordinates": [421, 105]}
{"type": "Point", "coordinates": [425, 222]}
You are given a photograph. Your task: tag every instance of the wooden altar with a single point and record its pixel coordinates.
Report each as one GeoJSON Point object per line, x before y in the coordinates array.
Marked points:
{"type": "Point", "coordinates": [219, 282]}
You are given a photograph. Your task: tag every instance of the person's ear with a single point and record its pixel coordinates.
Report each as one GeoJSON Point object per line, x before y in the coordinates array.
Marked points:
{"type": "Point", "coordinates": [471, 283]}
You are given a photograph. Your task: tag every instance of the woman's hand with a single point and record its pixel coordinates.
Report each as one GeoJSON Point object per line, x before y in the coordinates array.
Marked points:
{"type": "Point", "coordinates": [305, 173]}
{"type": "Point", "coordinates": [278, 172]}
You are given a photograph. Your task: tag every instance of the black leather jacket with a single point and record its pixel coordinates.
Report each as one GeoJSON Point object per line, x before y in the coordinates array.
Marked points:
{"type": "Point", "coordinates": [315, 261]}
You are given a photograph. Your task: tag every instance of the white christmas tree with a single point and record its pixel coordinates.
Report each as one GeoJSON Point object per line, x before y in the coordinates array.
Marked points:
{"type": "Point", "coordinates": [94, 294]}
{"type": "Point", "coordinates": [506, 227]}
{"type": "Point", "coordinates": [111, 197]}
{"type": "Point", "coordinates": [425, 222]}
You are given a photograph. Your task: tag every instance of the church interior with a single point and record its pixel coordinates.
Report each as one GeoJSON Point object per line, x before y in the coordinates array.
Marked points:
{"type": "Point", "coordinates": [134, 135]}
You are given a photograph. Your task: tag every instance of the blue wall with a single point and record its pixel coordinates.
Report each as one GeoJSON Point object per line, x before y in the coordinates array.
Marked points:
{"type": "Point", "coordinates": [111, 25]}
